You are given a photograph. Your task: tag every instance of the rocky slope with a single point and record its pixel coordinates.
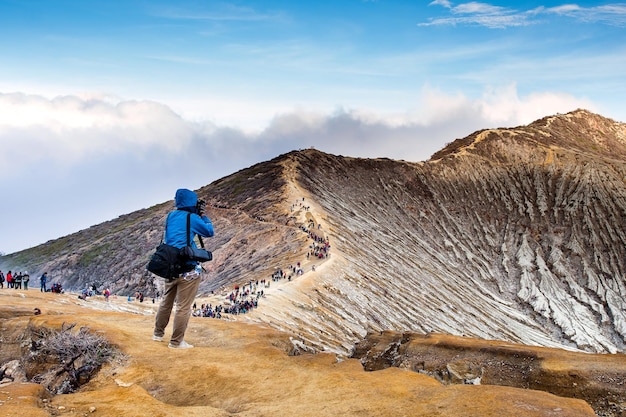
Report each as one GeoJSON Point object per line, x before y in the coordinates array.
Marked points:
{"type": "Point", "coordinates": [510, 234]}
{"type": "Point", "coordinates": [598, 379]}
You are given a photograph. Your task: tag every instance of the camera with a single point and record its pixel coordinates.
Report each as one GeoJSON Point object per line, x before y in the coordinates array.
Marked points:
{"type": "Point", "coordinates": [200, 206]}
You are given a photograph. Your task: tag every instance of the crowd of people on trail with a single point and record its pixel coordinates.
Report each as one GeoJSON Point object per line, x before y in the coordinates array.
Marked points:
{"type": "Point", "coordinates": [89, 292]}
{"type": "Point", "coordinates": [300, 204]}
{"type": "Point", "coordinates": [57, 288]}
{"type": "Point", "coordinates": [17, 281]}
{"type": "Point", "coordinates": [207, 310]}
{"type": "Point", "coordinates": [238, 307]}
{"type": "Point", "coordinates": [21, 280]}
{"type": "Point", "coordinates": [244, 299]}
{"type": "Point", "coordinates": [320, 248]}
{"type": "Point", "coordinates": [240, 300]}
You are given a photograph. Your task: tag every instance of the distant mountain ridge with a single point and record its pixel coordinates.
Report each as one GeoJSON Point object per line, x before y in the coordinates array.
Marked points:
{"type": "Point", "coordinates": [514, 234]}
{"type": "Point", "coordinates": [580, 131]}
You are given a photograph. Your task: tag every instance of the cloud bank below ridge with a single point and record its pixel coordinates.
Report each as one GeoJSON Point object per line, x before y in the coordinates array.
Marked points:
{"type": "Point", "coordinates": [70, 162]}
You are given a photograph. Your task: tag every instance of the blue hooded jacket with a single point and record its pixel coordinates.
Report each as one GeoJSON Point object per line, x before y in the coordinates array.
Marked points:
{"type": "Point", "coordinates": [176, 224]}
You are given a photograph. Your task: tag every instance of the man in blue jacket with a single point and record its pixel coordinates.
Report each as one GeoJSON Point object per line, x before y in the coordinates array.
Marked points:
{"type": "Point", "coordinates": [182, 290]}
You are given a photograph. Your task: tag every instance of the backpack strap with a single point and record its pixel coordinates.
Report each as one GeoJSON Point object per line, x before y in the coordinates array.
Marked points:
{"type": "Point", "coordinates": [188, 232]}
{"type": "Point", "coordinates": [188, 227]}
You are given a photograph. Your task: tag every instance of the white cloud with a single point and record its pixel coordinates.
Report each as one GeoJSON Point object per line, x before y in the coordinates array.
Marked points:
{"type": "Point", "coordinates": [564, 9]}
{"type": "Point", "coordinates": [482, 14]}
{"type": "Point", "coordinates": [479, 8]}
{"type": "Point", "coordinates": [497, 17]}
{"type": "Point", "coordinates": [504, 106]}
{"type": "Point", "coordinates": [72, 162]}
{"type": "Point", "coordinates": [444, 3]}
{"type": "Point", "coordinates": [69, 128]}
{"type": "Point", "coordinates": [611, 14]}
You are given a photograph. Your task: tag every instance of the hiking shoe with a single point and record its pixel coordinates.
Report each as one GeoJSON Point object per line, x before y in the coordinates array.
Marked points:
{"type": "Point", "coordinates": [183, 345]}
{"type": "Point", "coordinates": [157, 338]}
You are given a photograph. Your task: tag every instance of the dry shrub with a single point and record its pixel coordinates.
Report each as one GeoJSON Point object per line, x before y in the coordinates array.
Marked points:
{"type": "Point", "coordinates": [68, 358]}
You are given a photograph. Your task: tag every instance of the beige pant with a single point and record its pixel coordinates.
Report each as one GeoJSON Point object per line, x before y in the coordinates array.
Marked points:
{"type": "Point", "coordinates": [182, 292]}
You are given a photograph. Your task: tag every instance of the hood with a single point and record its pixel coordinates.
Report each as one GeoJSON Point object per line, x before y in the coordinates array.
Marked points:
{"type": "Point", "coordinates": [185, 198]}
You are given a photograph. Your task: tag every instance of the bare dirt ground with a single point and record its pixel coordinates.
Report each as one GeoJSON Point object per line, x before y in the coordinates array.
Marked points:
{"type": "Point", "coordinates": [235, 369]}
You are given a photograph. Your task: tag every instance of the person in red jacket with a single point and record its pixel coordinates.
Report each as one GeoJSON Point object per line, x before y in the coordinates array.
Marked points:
{"type": "Point", "coordinates": [9, 280]}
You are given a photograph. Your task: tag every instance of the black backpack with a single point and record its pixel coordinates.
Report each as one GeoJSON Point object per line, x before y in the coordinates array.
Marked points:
{"type": "Point", "coordinates": [167, 261]}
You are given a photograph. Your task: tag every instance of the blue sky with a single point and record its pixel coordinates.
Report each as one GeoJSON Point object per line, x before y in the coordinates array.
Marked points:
{"type": "Point", "coordinates": [107, 107]}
